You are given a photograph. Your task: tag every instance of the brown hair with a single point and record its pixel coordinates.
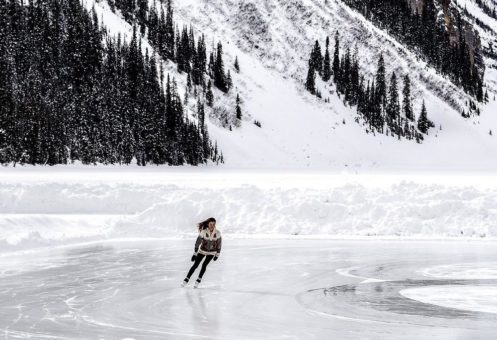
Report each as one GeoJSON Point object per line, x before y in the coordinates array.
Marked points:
{"type": "Point", "coordinates": [205, 224]}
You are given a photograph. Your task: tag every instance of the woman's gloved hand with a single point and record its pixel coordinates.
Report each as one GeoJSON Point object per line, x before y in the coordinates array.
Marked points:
{"type": "Point", "coordinates": [216, 257]}
{"type": "Point", "coordinates": [194, 257]}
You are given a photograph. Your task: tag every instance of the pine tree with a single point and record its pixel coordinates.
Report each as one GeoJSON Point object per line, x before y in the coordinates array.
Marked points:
{"type": "Point", "coordinates": [183, 51]}
{"type": "Point", "coordinates": [393, 108]}
{"type": "Point", "coordinates": [310, 83]}
{"type": "Point", "coordinates": [201, 116]}
{"type": "Point", "coordinates": [169, 32]}
{"type": "Point", "coordinates": [209, 96]}
{"type": "Point", "coordinates": [345, 84]}
{"type": "Point", "coordinates": [229, 81]}
{"type": "Point", "coordinates": [170, 110]}
{"type": "Point", "coordinates": [336, 59]}
{"type": "Point", "coordinates": [479, 86]}
{"type": "Point", "coordinates": [316, 60]}
{"type": "Point", "coordinates": [142, 14]}
{"type": "Point", "coordinates": [219, 75]}
{"type": "Point", "coordinates": [327, 62]}
{"type": "Point", "coordinates": [406, 100]}
{"type": "Point", "coordinates": [355, 86]}
{"type": "Point", "coordinates": [424, 124]}
{"type": "Point", "coordinates": [381, 86]}
{"type": "Point", "coordinates": [211, 65]}
{"type": "Point", "coordinates": [238, 108]}
{"type": "Point", "coordinates": [153, 24]}
{"type": "Point", "coordinates": [188, 83]}
{"type": "Point", "coordinates": [199, 63]}
{"type": "Point", "coordinates": [161, 41]}
{"type": "Point", "coordinates": [237, 65]}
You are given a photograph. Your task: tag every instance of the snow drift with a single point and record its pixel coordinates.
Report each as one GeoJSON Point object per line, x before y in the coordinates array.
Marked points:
{"type": "Point", "coordinates": [55, 213]}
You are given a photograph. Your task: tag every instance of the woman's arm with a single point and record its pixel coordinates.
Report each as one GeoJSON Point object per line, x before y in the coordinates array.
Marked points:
{"type": "Point", "coordinates": [199, 241]}
{"type": "Point", "coordinates": [219, 244]}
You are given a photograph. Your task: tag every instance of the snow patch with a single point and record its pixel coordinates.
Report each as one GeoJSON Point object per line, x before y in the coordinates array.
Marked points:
{"type": "Point", "coordinates": [46, 212]}
{"type": "Point", "coordinates": [471, 298]}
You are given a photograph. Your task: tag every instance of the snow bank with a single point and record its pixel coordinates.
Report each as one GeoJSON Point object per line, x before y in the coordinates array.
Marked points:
{"type": "Point", "coordinates": [405, 209]}
{"type": "Point", "coordinates": [53, 213]}
{"type": "Point", "coordinates": [469, 298]}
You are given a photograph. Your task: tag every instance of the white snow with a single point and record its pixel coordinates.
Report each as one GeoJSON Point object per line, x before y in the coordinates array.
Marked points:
{"type": "Point", "coordinates": [470, 298]}
{"type": "Point", "coordinates": [468, 271]}
{"type": "Point", "coordinates": [42, 206]}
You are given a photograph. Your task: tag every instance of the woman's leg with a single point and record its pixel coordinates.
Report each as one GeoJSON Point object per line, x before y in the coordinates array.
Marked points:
{"type": "Point", "coordinates": [208, 259]}
{"type": "Point", "coordinates": [198, 259]}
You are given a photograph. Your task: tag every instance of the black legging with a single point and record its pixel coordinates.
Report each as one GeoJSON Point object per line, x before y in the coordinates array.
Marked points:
{"type": "Point", "coordinates": [199, 259]}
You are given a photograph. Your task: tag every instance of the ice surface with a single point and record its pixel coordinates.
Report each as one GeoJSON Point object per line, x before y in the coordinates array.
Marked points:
{"type": "Point", "coordinates": [271, 289]}
{"type": "Point", "coordinates": [263, 286]}
{"type": "Point", "coordinates": [476, 270]}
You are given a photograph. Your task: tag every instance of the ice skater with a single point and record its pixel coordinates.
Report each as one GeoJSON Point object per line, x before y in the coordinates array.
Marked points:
{"type": "Point", "coordinates": [208, 246]}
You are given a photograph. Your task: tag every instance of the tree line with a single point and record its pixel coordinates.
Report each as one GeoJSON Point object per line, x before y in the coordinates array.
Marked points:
{"type": "Point", "coordinates": [178, 45]}
{"type": "Point", "coordinates": [378, 102]}
{"type": "Point", "coordinates": [70, 92]}
{"type": "Point", "coordinates": [426, 34]}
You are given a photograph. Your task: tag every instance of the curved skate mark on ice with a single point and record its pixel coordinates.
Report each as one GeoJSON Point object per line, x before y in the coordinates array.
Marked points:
{"type": "Point", "coordinates": [372, 302]}
{"type": "Point", "coordinates": [341, 317]}
{"type": "Point", "coordinates": [72, 302]}
{"type": "Point", "coordinates": [238, 291]}
{"type": "Point", "coordinates": [27, 335]}
{"type": "Point", "coordinates": [19, 317]}
{"type": "Point", "coordinates": [347, 272]}
{"type": "Point", "coordinates": [480, 271]}
{"type": "Point", "coordinates": [481, 299]}
{"type": "Point", "coordinates": [153, 331]}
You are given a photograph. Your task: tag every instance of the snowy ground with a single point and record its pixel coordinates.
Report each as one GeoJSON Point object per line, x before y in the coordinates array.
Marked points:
{"type": "Point", "coordinates": [42, 206]}
{"type": "Point", "coordinates": [271, 289]}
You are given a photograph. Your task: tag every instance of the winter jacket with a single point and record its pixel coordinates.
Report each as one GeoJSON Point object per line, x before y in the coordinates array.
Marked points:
{"type": "Point", "coordinates": [208, 243]}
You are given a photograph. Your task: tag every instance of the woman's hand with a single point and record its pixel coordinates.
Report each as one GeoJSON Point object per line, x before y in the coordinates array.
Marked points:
{"type": "Point", "coordinates": [194, 257]}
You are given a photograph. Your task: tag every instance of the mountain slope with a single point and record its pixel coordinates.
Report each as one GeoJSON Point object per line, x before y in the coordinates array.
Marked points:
{"type": "Point", "coordinates": [272, 39]}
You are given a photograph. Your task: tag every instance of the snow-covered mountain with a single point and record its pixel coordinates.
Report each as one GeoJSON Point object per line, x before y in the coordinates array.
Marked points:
{"type": "Point", "coordinates": [272, 40]}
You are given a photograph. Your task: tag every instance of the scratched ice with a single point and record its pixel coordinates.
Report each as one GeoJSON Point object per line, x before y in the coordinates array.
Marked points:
{"type": "Point", "coordinates": [312, 289]}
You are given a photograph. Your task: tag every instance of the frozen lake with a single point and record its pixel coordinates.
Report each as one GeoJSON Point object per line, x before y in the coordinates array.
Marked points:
{"type": "Point", "coordinates": [282, 289]}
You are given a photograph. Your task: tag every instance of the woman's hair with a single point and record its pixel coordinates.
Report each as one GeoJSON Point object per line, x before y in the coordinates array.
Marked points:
{"type": "Point", "coordinates": [205, 224]}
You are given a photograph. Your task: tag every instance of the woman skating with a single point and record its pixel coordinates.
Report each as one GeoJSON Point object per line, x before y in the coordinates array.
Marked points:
{"type": "Point", "coordinates": [208, 246]}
